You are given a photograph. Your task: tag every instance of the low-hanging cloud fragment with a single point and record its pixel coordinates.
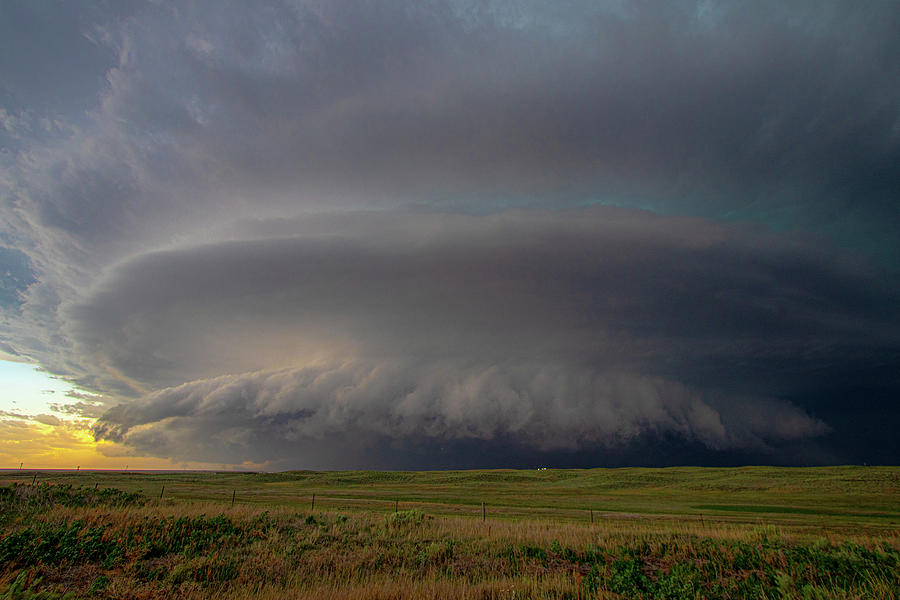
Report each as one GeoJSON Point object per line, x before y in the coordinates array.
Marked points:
{"type": "Point", "coordinates": [546, 407]}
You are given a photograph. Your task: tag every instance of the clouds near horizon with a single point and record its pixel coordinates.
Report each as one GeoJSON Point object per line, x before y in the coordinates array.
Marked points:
{"type": "Point", "coordinates": [569, 227]}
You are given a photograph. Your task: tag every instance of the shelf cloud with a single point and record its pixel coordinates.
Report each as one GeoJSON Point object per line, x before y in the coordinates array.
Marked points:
{"type": "Point", "coordinates": [556, 328]}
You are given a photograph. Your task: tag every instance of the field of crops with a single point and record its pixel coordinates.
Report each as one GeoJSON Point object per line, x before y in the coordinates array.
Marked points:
{"type": "Point", "coordinates": [687, 533]}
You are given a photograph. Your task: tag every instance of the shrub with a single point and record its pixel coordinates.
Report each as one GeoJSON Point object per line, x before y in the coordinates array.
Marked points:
{"type": "Point", "coordinates": [405, 518]}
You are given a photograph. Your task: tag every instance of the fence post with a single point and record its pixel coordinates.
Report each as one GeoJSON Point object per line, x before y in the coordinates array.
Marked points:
{"type": "Point", "coordinates": [313, 506]}
{"type": "Point", "coordinates": [396, 505]}
{"type": "Point", "coordinates": [161, 492]}
{"type": "Point", "coordinates": [233, 492]}
{"type": "Point", "coordinates": [33, 479]}
{"type": "Point", "coordinates": [592, 516]}
{"type": "Point", "coordinates": [483, 514]}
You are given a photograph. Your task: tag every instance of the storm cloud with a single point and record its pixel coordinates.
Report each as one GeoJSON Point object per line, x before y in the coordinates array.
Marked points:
{"type": "Point", "coordinates": [305, 233]}
{"type": "Point", "coordinates": [558, 329]}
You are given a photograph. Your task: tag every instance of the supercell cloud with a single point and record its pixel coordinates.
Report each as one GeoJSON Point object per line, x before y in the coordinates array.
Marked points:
{"type": "Point", "coordinates": [431, 234]}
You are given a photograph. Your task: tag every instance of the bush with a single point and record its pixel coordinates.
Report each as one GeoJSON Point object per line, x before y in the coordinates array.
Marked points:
{"type": "Point", "coordinates": [60, 544]}
{"type": "Point", "coordinates": [405, 518]}
{"type": "Point", "coordinates": [627, 577]}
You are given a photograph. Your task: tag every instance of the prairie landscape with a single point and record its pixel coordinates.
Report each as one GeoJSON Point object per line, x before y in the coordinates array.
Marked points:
{"type": "Point", "coordinates": [240, 239]}
{"type": "Point", "coordinates": [681, 533]}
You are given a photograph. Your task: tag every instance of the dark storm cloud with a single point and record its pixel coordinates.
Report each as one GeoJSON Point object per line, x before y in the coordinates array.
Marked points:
{"type": "Point", "coordinates": [565, 281]}
{"type": "Point", "coordinates": [50, 67]}
{"type": "Point", "coordinates": [160, 165]}
{"type": "Point", "coordinates": [275, 414]}
{"type": "Point", "coordinates": [554, 329]}
{"type": "Point", "coordinates": [720, 109]}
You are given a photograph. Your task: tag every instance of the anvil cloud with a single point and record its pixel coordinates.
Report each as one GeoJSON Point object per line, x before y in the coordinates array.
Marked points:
{"type": "Point", "coordinates": [412, 233]}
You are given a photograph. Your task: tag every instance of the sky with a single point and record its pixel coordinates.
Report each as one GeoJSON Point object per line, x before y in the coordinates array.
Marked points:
{"type": "Point", "coordinates": [449, 234]}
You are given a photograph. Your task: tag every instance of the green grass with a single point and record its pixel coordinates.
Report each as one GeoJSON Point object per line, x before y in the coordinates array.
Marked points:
{"type": "Point", "coordinates": [657, 533]}
{"type": "Point", "coordinates": [844, 496]}
{"type": "Point", "coordinates": [757, 509]}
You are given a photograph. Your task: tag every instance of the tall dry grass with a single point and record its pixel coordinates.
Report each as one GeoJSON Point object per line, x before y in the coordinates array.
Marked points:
{"type": "Point", "coordinates": [283, 553]}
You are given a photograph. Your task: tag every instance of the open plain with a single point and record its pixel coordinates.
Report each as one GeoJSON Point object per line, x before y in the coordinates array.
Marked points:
{"type": "Point", "coordinates": [754, 532]}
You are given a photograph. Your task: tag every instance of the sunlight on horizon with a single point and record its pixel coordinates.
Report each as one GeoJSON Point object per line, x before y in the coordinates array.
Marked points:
{"type": "Point", "coordinates": [43, 425]}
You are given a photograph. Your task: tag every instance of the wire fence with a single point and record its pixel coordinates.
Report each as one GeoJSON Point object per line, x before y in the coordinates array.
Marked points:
{"type": "Point", "coordinates": [334, 500]}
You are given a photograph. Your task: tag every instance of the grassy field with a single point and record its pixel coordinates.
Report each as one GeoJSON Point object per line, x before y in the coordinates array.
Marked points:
{"type": "Point", "coordinates": [753, 532]}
